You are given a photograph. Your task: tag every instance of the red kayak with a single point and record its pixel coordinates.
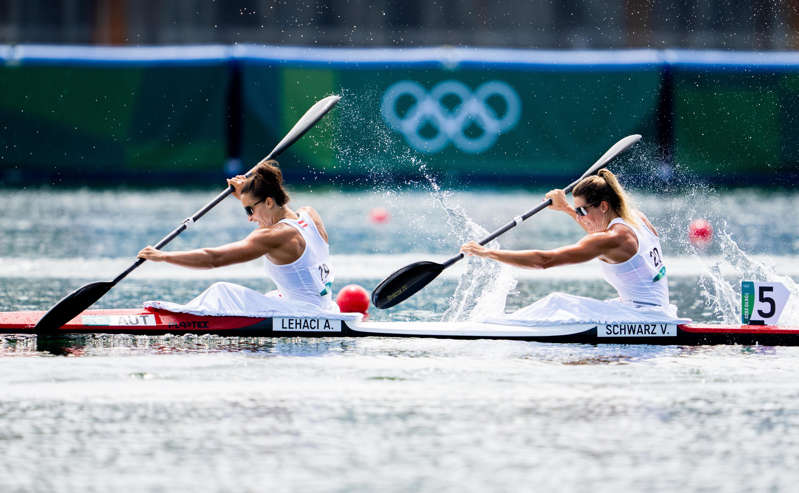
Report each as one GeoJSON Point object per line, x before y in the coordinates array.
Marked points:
{"type": "Point", "coordinates": [156, 322]}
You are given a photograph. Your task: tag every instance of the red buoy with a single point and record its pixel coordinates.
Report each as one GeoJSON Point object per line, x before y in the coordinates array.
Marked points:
{"type": "Point", "coordinates": [353, 298]}
{"type": "Point", "coordinates": [700, 233]}
{"type": "Point", "coordinates": [379, 215]}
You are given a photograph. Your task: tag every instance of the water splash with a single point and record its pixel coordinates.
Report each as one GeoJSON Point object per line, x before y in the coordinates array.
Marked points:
{"type": "Point", "coordinates": [720, 275]}
{"type": "Point", "coordinates": [367, 152]}
{"type": "Point", "coordinates": [483, 289]}
{"type": "Point", "coordinates": [680, 198]}
{"type": "Point", "coordinates": [723, 292]}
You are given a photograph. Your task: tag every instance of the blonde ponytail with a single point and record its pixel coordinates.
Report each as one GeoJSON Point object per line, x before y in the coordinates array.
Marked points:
{"type": "Point", "coordinates": [606, 187]}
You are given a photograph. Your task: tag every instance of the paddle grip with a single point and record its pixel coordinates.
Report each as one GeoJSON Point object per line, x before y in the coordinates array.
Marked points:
{"type": "Point", "coordinates": [308, 120]}
{"type": "Point", "coordinates": [313, 115]}
{"type": "Point", "coordinates": [602, 162]}
{"type": "Point", "coordinates": [516, 221]}
{"type": "Point", "coordinates": [174, 234]}
{"type": "Point", "coordinates": [430, 273]}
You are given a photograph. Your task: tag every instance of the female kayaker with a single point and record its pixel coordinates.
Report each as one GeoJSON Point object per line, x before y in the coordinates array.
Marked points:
{"type": "Point", "coordinates": [294, 245]}
{"type": "Point", "coordinates": [623, 239]}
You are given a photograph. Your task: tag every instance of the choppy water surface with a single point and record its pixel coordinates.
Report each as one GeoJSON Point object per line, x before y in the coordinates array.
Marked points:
{"type": "Point", "coordinates": [170, 413]}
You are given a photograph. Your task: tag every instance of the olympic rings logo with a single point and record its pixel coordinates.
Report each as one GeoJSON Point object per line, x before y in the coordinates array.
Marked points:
{"type": "Point", "coordinates": [451, 125]}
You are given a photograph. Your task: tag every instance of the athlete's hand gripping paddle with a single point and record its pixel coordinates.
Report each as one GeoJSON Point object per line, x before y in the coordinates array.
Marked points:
{"type": "Point", "coordinates": [405, 282]}
{"type": "Point", "coordinates": [83, 297]}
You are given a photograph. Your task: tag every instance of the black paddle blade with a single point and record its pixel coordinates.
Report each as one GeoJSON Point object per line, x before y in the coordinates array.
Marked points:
{"type": "Point", "coordinates": [72, 304]}
{"type": "Point", "coordinates": [404, 283]}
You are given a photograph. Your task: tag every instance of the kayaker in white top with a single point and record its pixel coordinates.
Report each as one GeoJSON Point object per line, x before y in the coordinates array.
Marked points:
{"type": "Point", "coordinates": [622, 238]}
{"type": "Point", "coordinates": [294, 245]}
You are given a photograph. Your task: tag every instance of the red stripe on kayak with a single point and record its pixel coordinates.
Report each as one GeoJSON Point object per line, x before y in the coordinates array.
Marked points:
{"type": "Point", "coordinates": [739, 329]}
{"type": "Point", "coordinates": [164, 320]}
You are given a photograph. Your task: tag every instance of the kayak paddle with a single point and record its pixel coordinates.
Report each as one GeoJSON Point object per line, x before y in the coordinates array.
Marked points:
{"type": "Point", "coordinates": [406, 281]}
{"type": "Point", "coordinates": [83, 297]}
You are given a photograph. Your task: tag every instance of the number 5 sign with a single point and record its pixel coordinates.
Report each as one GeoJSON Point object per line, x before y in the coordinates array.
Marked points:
{"type": "Point", "coordinates": [762, 302]}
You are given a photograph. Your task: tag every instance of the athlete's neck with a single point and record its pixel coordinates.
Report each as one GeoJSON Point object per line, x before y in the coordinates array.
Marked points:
{"type": "Point", "coordinates": [610, 217]}
{"type": "Point", "coordinates": [283, 212]}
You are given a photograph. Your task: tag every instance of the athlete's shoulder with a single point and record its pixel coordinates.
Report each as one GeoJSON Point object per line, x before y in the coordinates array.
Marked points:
{"type": "Point", "coordinates": [622, 235]}
{"type": "Point", "coordinates": [646, 222]}
{"type": "Point", "coordinates": [310, 211]}
{"type": "Point", "coordinates": [273, 236]}
{"type": "Point", "coordinates": [316, 218]}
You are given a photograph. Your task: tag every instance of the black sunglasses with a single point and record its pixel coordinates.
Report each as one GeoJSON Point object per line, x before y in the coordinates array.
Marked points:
{"type": "Point", "coordinates": [248, 208]}
{"type": "Point", "coordinates": [583, 209]}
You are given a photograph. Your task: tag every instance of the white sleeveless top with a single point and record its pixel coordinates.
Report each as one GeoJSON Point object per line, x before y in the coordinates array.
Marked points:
{"type": "Point", "coordinates": [642, 278]}
{"type": "Point", "coordinates": [310, 277]}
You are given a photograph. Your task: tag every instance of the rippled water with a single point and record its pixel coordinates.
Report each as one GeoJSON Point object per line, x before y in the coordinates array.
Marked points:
{"type": "Point", "coordinates": [202, 413]}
